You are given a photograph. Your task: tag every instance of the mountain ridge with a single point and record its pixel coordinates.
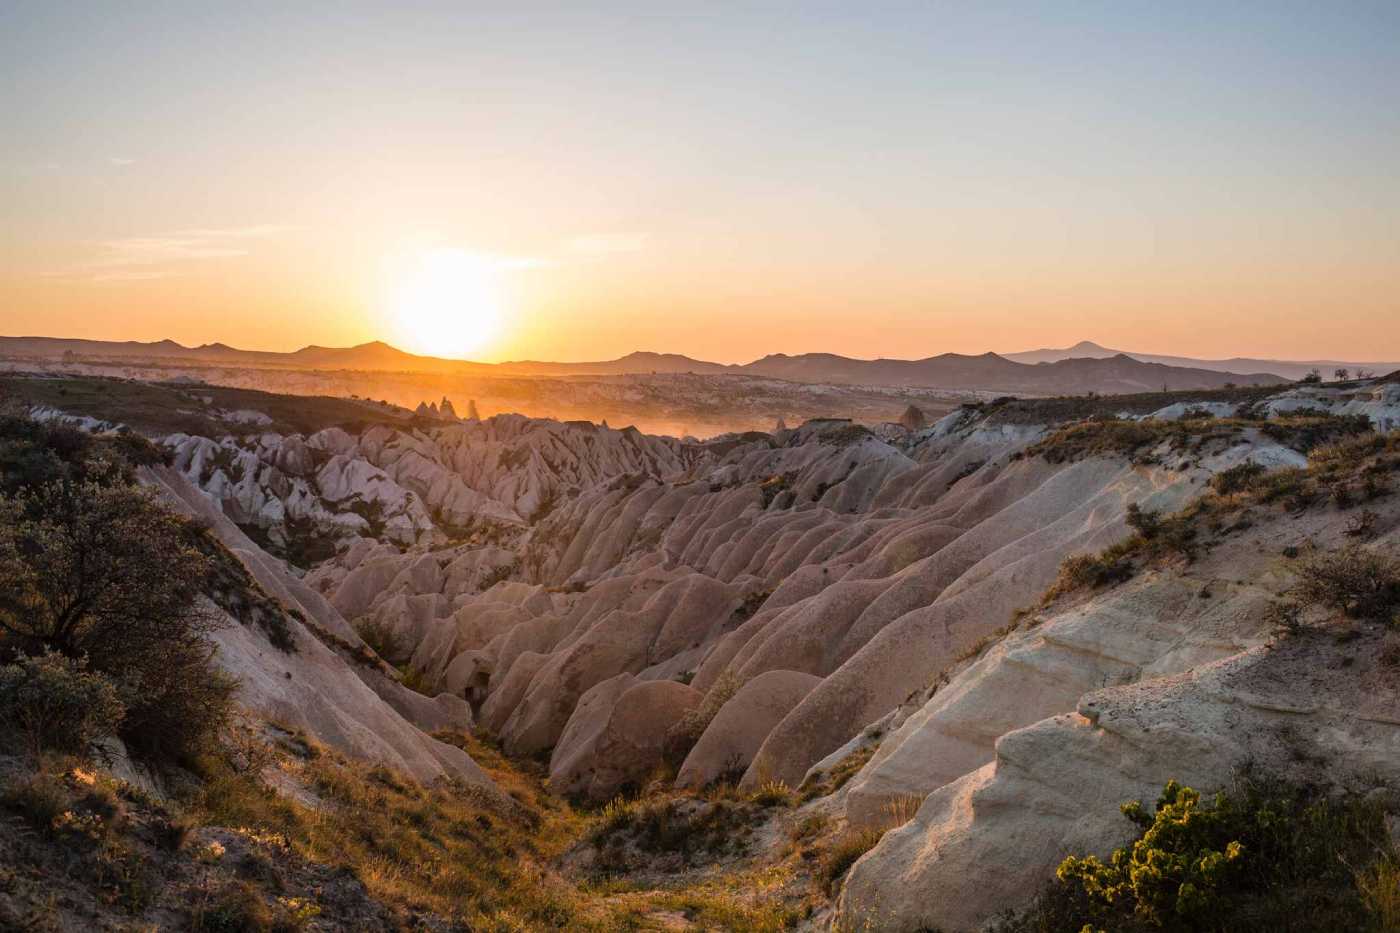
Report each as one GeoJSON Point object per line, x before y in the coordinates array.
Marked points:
{"type": "Point", "coordinates": [1289, 369]}
{"type": "Point", "coordinates": [1099, 370]}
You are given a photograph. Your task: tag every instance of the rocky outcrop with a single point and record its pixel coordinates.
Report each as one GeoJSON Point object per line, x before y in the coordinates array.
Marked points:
{"type": "Point", "coordinates": [1310, 710]}
{"type": "Point", "coordinates": [313, 687]}
{"type": "Point", "coordinates": [734, 736]}
{"type": "Point", "coordinates": [615, 736]}
{"type": "Point", "coordinates": [1176, 674]}
{"type": "Point", "coordinates": [540, 572]}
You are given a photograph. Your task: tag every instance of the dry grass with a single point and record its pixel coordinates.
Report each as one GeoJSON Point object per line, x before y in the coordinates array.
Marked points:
{"type": "Point", "coordinates": [687, 730]}
{"type": "Point", "coordinates": [488, 861]}
{"type": "Point", "coordinates": [1379, 887]}
{"type": "Point", "coordinates": [1354, 468]}
{"type": "Point", "coordinates": [773, 794]}
{"type": "Point", "coordinates": [1111, 436]}
{"type": "Point", "coordinates": [842, 855]}
{"type": "Point", "coordinates": [452, 849]}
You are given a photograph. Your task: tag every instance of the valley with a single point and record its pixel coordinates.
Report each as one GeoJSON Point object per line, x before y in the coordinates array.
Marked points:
{"type": "Point", "coordinates": [805, 678]}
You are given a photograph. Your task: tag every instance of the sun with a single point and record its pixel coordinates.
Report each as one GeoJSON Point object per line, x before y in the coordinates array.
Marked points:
{"type": "Point", "coordinates": [448, 303]}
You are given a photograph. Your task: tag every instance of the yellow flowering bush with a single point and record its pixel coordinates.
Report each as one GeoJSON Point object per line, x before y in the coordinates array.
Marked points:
{"type": "Point", "coordinates": [1263, 855]}
{"type": "Point", "coordinates": [1185, 855]}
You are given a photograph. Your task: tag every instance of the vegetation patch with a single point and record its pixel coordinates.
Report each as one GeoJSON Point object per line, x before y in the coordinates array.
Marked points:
{"type": "Point", "coordinates": [1262, 856]}
{"type": "Point", "coordinates": [161, 408]}
{"type": "Point", "coordinates": [632, 834]}
{"type": "Point", "coordinates": [824, 785]}
{"type": "Point", "coordinates": [232, 588]}
{"type": "Point", "coordinates": [1356, 468]}
{"type": "Point", "coordinates": [1119, 437]}
{"type": "Point", "coordinates": [686, 731]}
{"type": "Point", "coordinates": [1357, 582]}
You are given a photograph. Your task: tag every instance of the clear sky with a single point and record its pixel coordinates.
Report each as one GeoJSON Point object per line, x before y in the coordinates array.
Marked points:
{"type": "Point", "coordinates": [719, 179]}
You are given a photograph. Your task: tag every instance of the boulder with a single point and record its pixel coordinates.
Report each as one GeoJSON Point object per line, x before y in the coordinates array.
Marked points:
{"type": "Point", "coordinates": [600, 762]}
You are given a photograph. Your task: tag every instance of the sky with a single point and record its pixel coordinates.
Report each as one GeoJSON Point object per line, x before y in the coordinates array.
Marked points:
{"type": "Point", "coordinates": [548, 181]}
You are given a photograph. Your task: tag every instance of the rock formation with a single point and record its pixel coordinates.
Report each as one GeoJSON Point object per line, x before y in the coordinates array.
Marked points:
{"type": "Point", "coordinates": [578, 590]}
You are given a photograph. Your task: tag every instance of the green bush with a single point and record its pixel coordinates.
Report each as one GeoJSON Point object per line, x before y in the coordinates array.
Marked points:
{"type": "Point", "coordinates": [1265, 856]}
{"type": "Point", "coordinates": [1238, 478]}
{"type": "Point", "coordinates": [1357, 581]}
{"type": "Point", "coordinates": [107, 573]}
{"type": "Point", "coordinates": [1186, 856]}
{"type": "Point", "coordinates": [56, 703]}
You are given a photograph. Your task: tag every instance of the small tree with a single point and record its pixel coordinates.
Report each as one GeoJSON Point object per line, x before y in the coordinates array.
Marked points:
{"type": "Point", "coordinates": [84, 564]}
{"type": "Point", "coordinates": [1314, 376]}
{"type": "Point", "coordinates": [1342, 373]}
{"type": "Point", "coordinates": [1357, 581]}
{"type": "Point", "coordinates": [105, 573]}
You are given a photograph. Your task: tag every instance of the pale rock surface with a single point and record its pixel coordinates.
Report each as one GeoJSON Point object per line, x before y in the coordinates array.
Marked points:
{"type": "Point", "coordinates": [313, 688]}
{"type": "Point", "coordinates": [1054, 788]}
{"type": "Point", "coordinates": [615, 737]}
{"type": "Point", "coordinates": [742, 723]}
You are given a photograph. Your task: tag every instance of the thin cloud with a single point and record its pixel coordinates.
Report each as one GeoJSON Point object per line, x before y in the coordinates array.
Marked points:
{"type": "Point", "coordinates": [138, 258]}
{"type": "Point", "coordinates": [117, 161]}
{"type": "Point", "coordinates": [256, 231]}
{"type": "Point", "coordinates": [605, 244]}
{"type": "Point", "coordinates": [130, 275]}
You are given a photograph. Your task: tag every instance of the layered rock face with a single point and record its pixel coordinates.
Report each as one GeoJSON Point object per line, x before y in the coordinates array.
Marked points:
{"type": "Point", "coordinates": [1022, 754]}
{"type": "Point", "coordinates": [356, 709]}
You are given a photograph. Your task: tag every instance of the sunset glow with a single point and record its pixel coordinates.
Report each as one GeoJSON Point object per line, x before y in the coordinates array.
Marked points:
{"type": "Point", "coordinates": [449, 304]}
{"type": "Point", "coordinates": [905, 180]}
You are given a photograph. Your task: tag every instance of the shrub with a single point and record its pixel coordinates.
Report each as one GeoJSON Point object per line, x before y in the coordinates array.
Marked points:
{"type": "Point", "coordinates": [1144, 521]}
{"type": "Point", "coordinates": [1266, 856]}
{"type": "Point", "coordinates": [238, 908]}
{"type": "Point", "coordinates": [107, 573]}
{"type": "Point", "coordinates": [1356, 581]}
{"type": "Point", "coordinates": [1237, 478]}
{"type": "Point", "coordinates": [1186, 855]}
{"type": "Point", "coordinates": [684, 826]}
{"type": "Point", "coordinates": [56, 703]}
{"type": "Point", "coordinates": [40, 798]}
{"type": "Point", "coordinates": [1091, 570]}
{"type": "Point", "coordinates": [1362, 525]}
{"type": "Point", "coordinates": [380, 637]}
{"type": "Point", "coordinates": [773, 794]}
{"type": "Point", "coordinates": [1285, 618]}
{"type": "Point", "coordinates": [842, 855]}
{"type": "Point", "coordinates": [683, 735]}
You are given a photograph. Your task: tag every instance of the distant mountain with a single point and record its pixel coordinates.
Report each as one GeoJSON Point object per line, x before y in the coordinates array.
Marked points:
{"type": "Point", "coordinates": [638, 362]}
{"type": "Point", "coordinates": [1115, 374]}
{"type": "Point", "coordinates": [1289, 369]}
{"type": "Point", "coordinates": [1111, 374]}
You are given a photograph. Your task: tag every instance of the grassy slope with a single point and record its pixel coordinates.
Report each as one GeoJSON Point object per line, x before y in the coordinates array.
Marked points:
{"type": "Point", "coordinates": [164, 408]}
{"type": "Point", "coordinates": [342, 844]}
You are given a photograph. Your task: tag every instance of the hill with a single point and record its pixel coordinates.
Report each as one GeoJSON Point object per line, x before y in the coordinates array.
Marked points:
{"type": "Point", "coordinates": [1289, 369]}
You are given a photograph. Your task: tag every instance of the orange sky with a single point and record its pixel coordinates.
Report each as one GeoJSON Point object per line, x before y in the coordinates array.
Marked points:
{"type": "Point", "coordinates": [902, 183]}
